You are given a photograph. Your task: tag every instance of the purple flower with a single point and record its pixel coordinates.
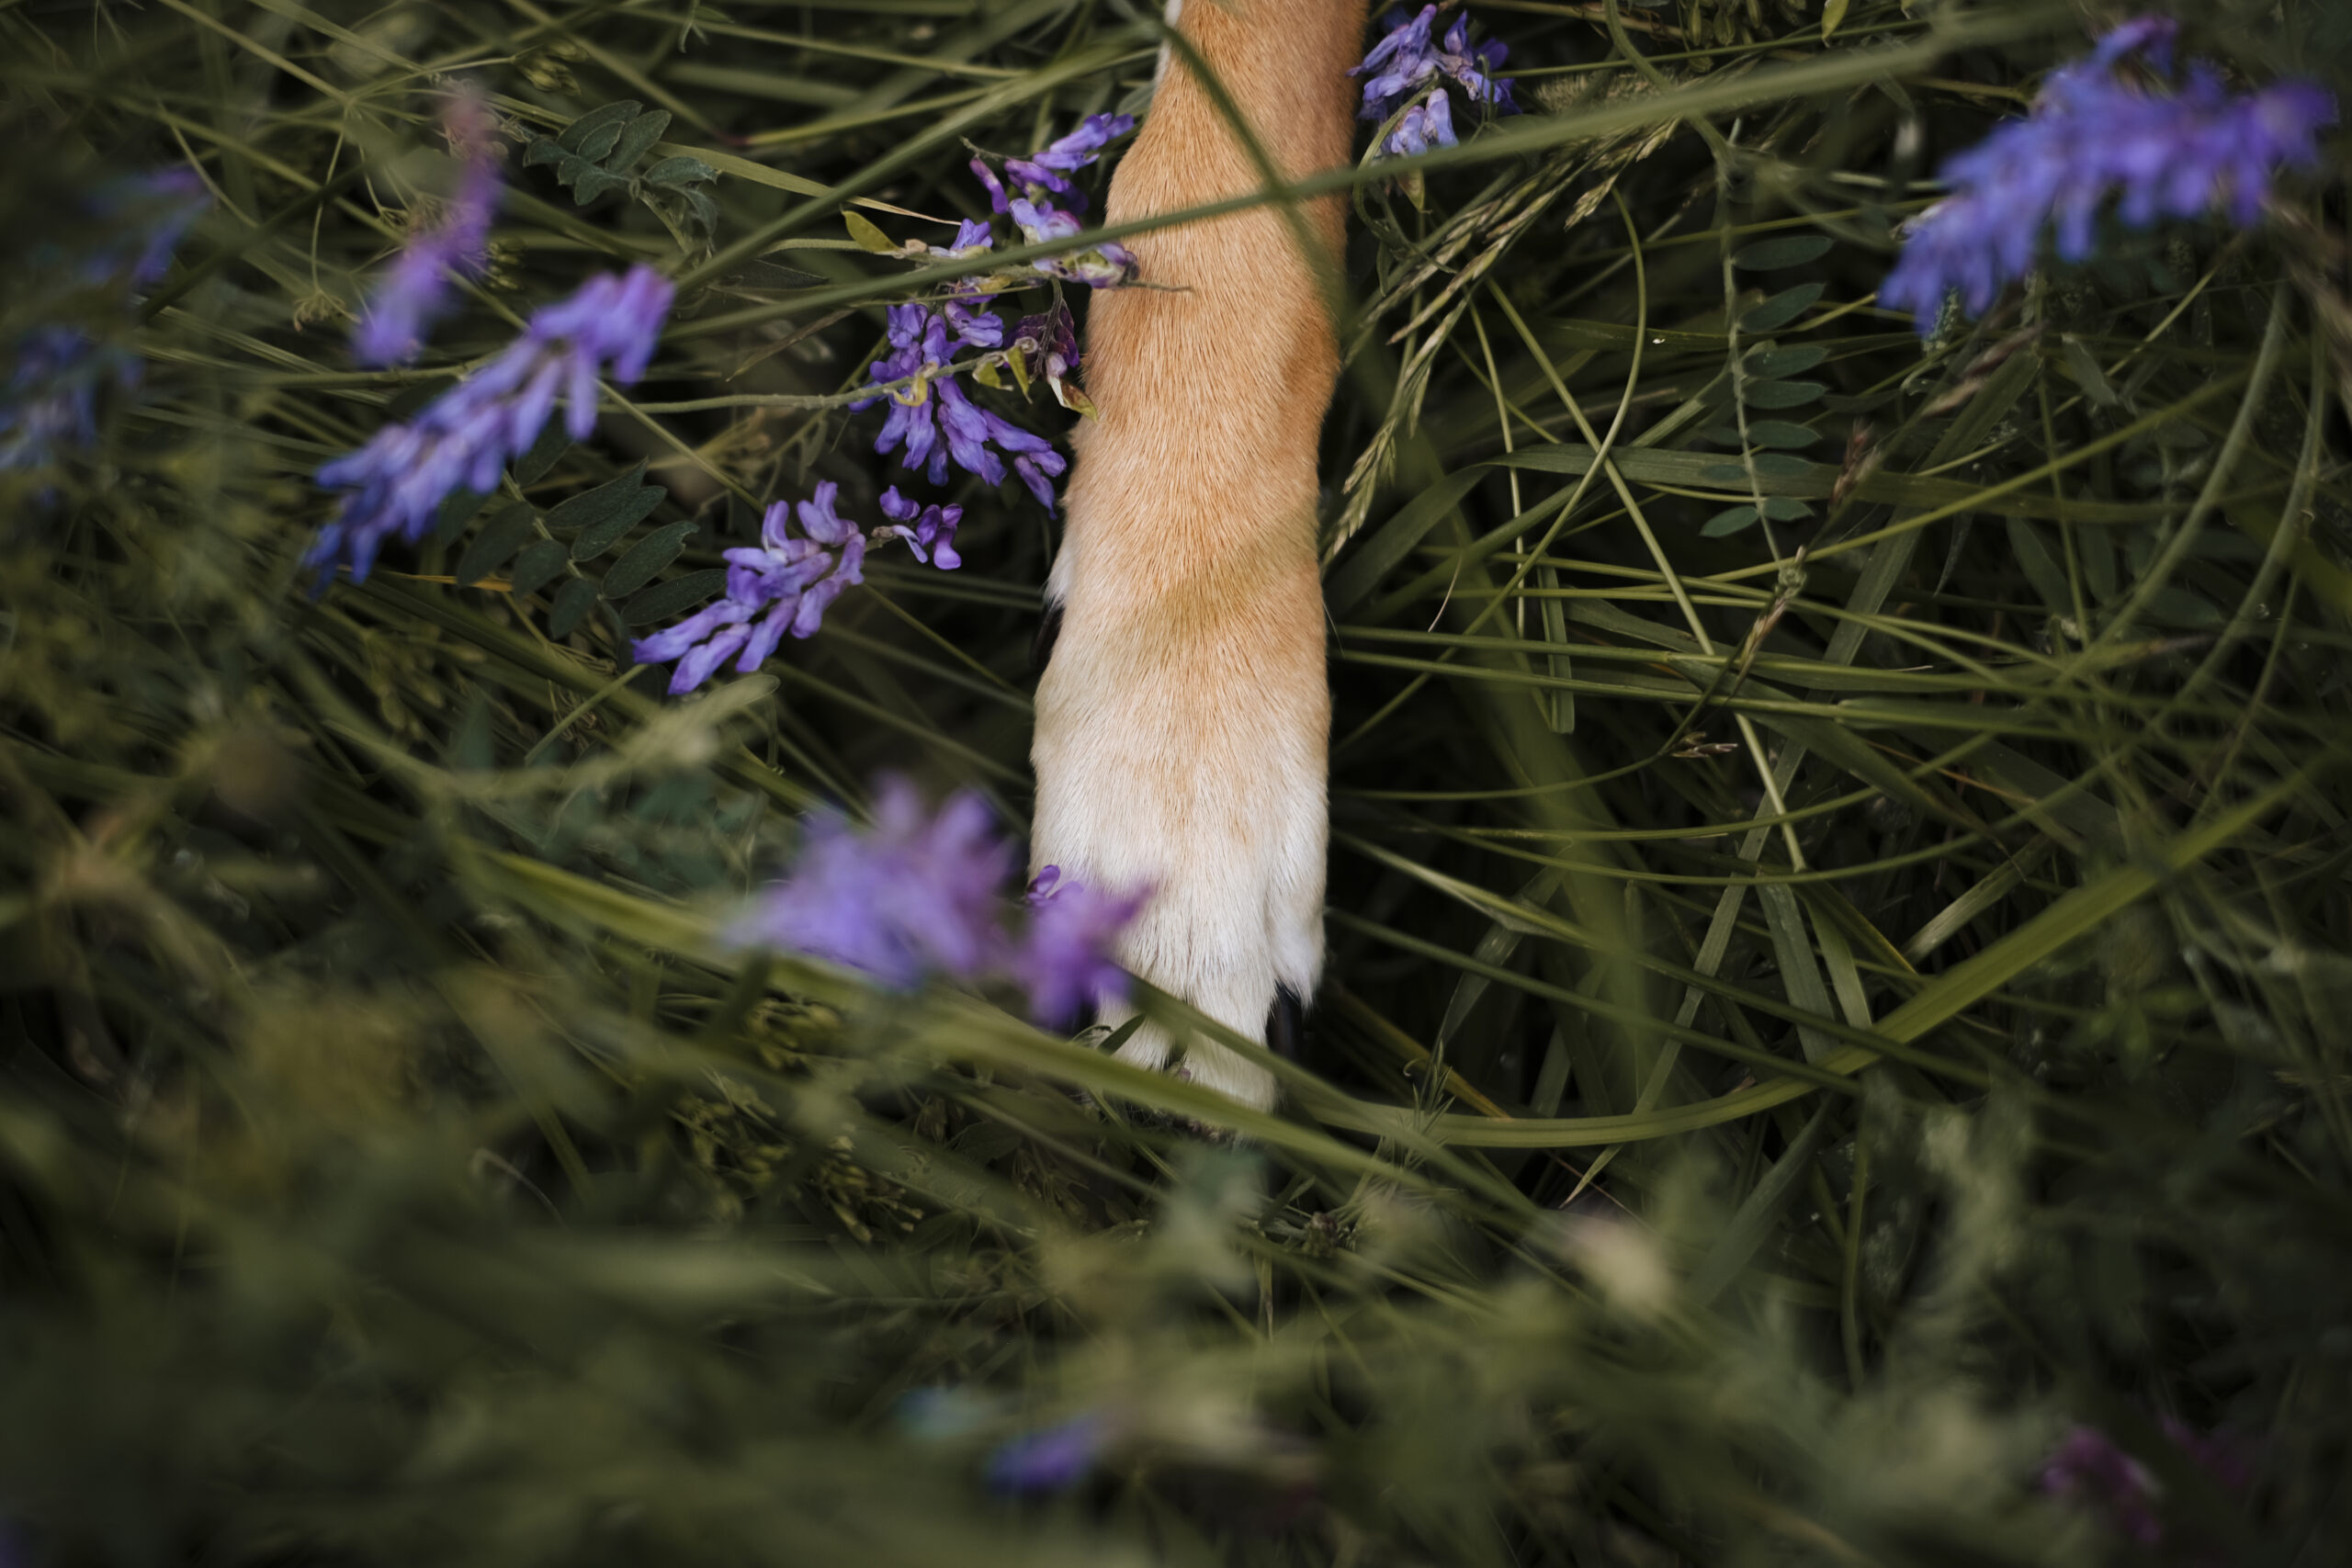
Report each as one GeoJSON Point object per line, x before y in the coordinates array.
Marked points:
{"type": "Point", "coordinates": [1427, 124]}
{"type": "Point", "coordinates": [1398, 64]}
{"type": "Point", "coordinates": [51, 404]}
{"type": "Point", "coordinates": [414, 291]}
{"type": "Point", "coordinates": [2088, 1467]}
{"type": "Point", "coordinates": [1039, 190]}
{"type": "Point", "coordinates": [467, 434]}
{"type": "Point", "coordinates": [2091, 135]}
{"type": "Point", "coordinates": [911, 897]}
{"type": "Point", "coordinates": [158, 210]}
{"type": "Point", "coordinates": [1052, 1460]}
{"type": "Point", "coordinates": [934, 421]}
{"type": "Point", "coordinates": [1405, 62]}
{"type": "Point", "coordinates": [1085, 144]}
{"type": "Point", "coordinates": [784, 585]}
{"type": "Point", "coordinates": [1047, 345]}
{"type": "Point", "coordinates": [929, 531]}
{"type": "Point", "coordinates": [1066, 961]}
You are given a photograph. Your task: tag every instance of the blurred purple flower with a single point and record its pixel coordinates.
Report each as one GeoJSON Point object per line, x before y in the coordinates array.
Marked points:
{"type": "Point", "coordinates": [786, 583]}
{"type": "Point", "coordinates": [2088, 1467]}
{"type": "Point", "coordinates": [1052, 1460]}
{"type": "Point", "coordinates": [158, 210]}
{"type": "Point", "coordinates": [913, 896]}
{"type": "Point", "coordinates": [2090, 135]}
{"type": "Point", "coordinates": [1405, 62]}
{"type": "Point", "coordinates": [414, 291]}
{"type": "Point", "coordinates": [51, 403]}
{"type": "Point", "coordinates": [1066, 961]}
{"type": "Point", "coordinates": [929, 531]}
{"type": "Point", "coordinates": [467, 434]}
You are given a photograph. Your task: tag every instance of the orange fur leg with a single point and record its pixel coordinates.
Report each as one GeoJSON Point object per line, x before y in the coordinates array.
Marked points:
{"type": "Point", "coordinates": [1184, 717]}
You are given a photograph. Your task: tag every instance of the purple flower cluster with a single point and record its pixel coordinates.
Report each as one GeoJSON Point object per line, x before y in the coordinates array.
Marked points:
{"type": "Point", "coordinates": [784, 584]}
{"type": "Point", "coordinates": [787, 582]}
{"type": "Point", "coordinates": [1406, 65]}
{"type": "Point", "coordinates": [929, 531]}
{"type": "Point", "coordinates": [2089, 1468]}
{"type": "Point", "coordinates": [51, 403]}
{"type": "Point", "coordinates": [918, 894]}
{"type": "Point", "coordinates": [933, 420]}
{"type": "Point", "coordinates": [1047, 345]}
{"type": "Point", "coordinates": [1067, 963]}
{"type": "Point", "coordinates": [470, 432]}
{"type": "Point", "coordinates": [2092, 134]}
{"type": "Point", "coordinates": [156, 211]}
{"type": "Point", "coordinates": [1038, 194]}
{"type": "Point", "coordinates": [1053, 1459]}
{"type": "Point", "coordinates": [414, 291]}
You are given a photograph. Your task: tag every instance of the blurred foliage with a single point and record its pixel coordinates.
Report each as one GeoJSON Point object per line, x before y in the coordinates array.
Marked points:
{"type": "Point", "coordinates": [1837, 906]}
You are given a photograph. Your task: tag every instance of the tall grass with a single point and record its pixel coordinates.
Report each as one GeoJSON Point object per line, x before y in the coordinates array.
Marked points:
{"type": "Point", "coordinates": [1838, 907]}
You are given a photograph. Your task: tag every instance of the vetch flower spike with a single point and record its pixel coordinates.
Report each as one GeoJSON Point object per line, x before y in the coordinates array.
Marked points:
{"type": "Point", "coordinates": [929, 531]}
{"type": "Point", "coordinates": [470, 432]}
{"type": "Point", "coordinates": [1408, 61]}
{"type": "Point", "coordinates": [784, 584]}
{"type": "Point", "coordinates": [1052, 1460]}
{"type": "Point", "coordinates": [934, 421]}
{"type": "Point", "coordinates": [2091, 135]}
{"type": "Point", "coordinates": [414, 291]}
{"type": "Point", "coordinates": [915, 894]}
{"type": "Point", "coordinates": [1065, 963]}
{"type": "Point", "coordinates": [51, 403]}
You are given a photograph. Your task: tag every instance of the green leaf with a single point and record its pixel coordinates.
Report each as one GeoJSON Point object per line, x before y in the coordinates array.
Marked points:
{"type": "Point", "coordinates": [1833, 12]}
{"type": "Point", "coordinates": [573, 603]}
{"type": "Point", "coordinates": [1727, 522]}
{"type": "Point", "coordinates": [1394, 539]}
{"type": "Point", "coordinates": [1780, 433]}
{"type": "Point", "coordinates": [590, 130]}
{"type": "Point", "coordinates": [2082, 367]}
{"type": "Point", "coordinates": [1770, 256]}
{"type": "Point", "coordinates": [2041, 568]}
{"type": "Point", "coordinates": [602, 515]}
{"type": "Point", "coordinates": [1767, 466]}
{"type": "Point", "coordinates": [680, 170]}
{"type": "Point", "coordinates": [636, 140]}
{"type": "Point", "coordinates": [644, 559]}
{"type": "Point", "coordinates": [533, 466]}
{"type": "Point", "coordinates": [1783, 307]}
{"type": "Point", "coordinates": [867, 236]}
{"type": "Point", "coordinates": [1779, 394]}
{"type": "Point", "coordinates": [1786, 508]}
{"type": "Point", "coordinates": [498, 541]}
{"type": "Point", "coordinates": [675, 597]}
{"type": "Point", "coordinates": [704, 210]}
{"type": "Point", "coordinates": [540, 565]}
{"type": "Point", "coordinates": [544, 149]}
{"type": "Point", "coordinates": [593, 182]}
{"type": "Point", "coordinates": [458, 510]}
{"type": "Point", "coordinates": [1774, 363]}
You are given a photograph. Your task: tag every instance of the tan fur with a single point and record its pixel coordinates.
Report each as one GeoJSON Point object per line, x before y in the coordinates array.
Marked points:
{"type": "Point", "coordinates": [1185, 717]}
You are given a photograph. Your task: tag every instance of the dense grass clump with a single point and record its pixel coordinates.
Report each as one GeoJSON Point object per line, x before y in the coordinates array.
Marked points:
{"type": "Point", "coordinates": [1834, 1050]}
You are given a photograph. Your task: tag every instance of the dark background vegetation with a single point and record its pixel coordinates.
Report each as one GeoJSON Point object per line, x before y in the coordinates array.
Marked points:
{"type": "Point", "coordinates": [1684, 1168]}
